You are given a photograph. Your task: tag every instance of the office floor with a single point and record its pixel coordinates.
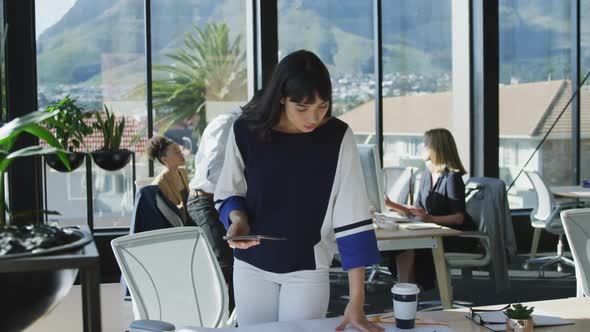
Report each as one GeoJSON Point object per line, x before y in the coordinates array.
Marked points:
{"type": "Point", "coordinates": [525, 286]}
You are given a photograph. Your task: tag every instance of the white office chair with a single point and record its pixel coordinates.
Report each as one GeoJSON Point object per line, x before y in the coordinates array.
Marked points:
{"type": "Point", "coordinates": [577, 228]}
{"type": "Point", "coordinates": [546, 216]}
{"type": "Point", "coordinates": [398, 183]}
{"type": "Point", "coordinates": [173, 276]}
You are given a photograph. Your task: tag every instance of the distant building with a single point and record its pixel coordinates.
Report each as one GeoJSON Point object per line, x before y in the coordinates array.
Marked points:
{"type": "Point", "coordinates": [526, 114]}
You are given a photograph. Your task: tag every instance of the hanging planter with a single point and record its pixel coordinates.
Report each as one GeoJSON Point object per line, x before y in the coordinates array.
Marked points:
{"type": "Point", "coordinates": [76, 159]}
{"type": "Point", "coordinates": [69, 126]}
{"type": "Point", "coordinates": [111, 160]}
{"type": "Point", "coordinates": [110, 157]}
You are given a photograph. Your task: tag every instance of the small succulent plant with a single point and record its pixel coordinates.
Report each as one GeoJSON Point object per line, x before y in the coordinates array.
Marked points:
{"type": "Point", "coordinates": [112, 132]}
{"type": "Point", "coordinates": [518, 311]}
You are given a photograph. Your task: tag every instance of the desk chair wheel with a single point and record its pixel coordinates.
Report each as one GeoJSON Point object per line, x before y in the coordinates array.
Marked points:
{"type": "Point", "coordinates": [559, 268]}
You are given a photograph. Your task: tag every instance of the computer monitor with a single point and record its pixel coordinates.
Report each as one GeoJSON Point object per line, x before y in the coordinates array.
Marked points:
{"type": "Point", "coordinates": [372, 171]}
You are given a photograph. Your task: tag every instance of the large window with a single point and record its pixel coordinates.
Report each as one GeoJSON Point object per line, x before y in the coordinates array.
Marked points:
{"type": "Point", "coordinates": [2, 67]}
{"type": "Point", "coordinates": [199, 51]}
{"type": "Point", "coordinates": [585, 92]}
{"type": "Point", "coordinates": [93, 51]}
{"type": "Point", "coordinates": [417, 77]}
{"type": "Point", "coordinates": [417, 65]}
{"type": "Point", "coordinates": [534, 87]}
{"type": "Point", "coordinates": [425, 74]}
{"type": "Point", "coordinates": [341, 34]}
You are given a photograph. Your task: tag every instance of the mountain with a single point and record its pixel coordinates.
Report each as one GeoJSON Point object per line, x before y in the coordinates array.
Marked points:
{"type": "Point", "coordinates": [98, 36]}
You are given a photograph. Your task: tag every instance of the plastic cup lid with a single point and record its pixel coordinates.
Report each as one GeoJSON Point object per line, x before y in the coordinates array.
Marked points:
{"type": "Point", "coordinates": [405, 289]}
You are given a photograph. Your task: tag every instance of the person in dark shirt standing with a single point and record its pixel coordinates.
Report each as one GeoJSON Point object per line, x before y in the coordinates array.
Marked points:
{"type": "Point", "coordinates": [440, 200]}
{"type": "Point", "coordinates": [292, 170]}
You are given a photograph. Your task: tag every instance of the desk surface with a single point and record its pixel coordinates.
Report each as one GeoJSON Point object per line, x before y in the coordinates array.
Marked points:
{"type": "Point", "coordinates": [576, 309]}
{"type": "Point", "coordinates": [571, 191]}
{"type": "Point", "coordinates": [383, 234]}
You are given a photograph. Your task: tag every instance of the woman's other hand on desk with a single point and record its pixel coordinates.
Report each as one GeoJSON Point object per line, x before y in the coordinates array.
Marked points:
{"type": "Point", "coordinates": [239, 226]}
{"type": "Point", "coordinates": [355, 315]}
{"type": "Point", "coordinates": [421, 213]}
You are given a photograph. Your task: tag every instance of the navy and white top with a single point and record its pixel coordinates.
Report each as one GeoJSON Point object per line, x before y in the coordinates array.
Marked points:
{"type": "Point", "coordinates": [306, 187]}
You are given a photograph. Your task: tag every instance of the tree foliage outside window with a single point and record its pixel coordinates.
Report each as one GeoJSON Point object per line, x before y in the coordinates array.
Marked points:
{"type": "Point", "coordinates": [208, 67]}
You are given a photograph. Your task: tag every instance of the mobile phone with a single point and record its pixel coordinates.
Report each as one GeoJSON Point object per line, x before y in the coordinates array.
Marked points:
{"type": "Point", "coordinates": [253, 238]}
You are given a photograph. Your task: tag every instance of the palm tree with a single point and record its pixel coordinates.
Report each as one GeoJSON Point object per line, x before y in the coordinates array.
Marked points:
{"type": "Point", "coordinates": [207, 67]}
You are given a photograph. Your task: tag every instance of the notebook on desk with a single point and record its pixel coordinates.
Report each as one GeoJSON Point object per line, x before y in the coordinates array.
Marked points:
{"type": "Point", "coordinates": [415, 226]}
{"type": "Point", "coordinates": [496, 320]}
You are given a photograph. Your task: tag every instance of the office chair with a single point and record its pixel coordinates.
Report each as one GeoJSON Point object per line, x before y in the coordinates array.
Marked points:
{"type": "Point", "coordinates": [576, 224]}
{"type": "Point", "coordinates": [174, 279]}
{"type": "Point", "coordinates": [487, 206]}
{"type": "Point", "coordinates": [546, 216]}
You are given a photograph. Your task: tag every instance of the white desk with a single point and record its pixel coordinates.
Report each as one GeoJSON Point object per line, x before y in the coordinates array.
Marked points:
{"type": "Point", "coordinates": [571, 192]}
{"type": "Point", "coordinates": [576, 309]}
{"type": "Point", "coordinates": [404, 239]}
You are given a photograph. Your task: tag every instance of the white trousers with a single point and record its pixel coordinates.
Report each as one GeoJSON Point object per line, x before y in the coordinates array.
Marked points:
{"type": "Point", "coordinates": [263, 296]}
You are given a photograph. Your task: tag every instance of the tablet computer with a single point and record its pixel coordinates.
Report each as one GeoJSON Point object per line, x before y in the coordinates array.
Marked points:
{"type": "Point", "coordinates": [252, 238]}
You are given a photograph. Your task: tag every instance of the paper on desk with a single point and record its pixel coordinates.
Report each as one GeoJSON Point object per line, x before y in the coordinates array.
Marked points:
{"type": "Point", "coordinates": [421, 225]}
{"type": "Point", "coordinates": [396, 217]}
{"type": "Point", "coordinates": [316, 325]}
{"type": "Point", "coordinates": [540, 319]}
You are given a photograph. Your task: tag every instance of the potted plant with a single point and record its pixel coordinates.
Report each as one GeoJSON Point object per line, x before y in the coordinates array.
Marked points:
{"type": "Point", "coordinates": [25, 295]}
{"type": "Point", "coordinates": [110, 157]}
{"type": "Point", "coordinates": [519, 319]}
{"type": "Point", "coordinates": [70, 127]}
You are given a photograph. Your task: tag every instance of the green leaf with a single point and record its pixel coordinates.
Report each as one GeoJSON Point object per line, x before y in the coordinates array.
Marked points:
{"type": "Point", "coordinates": [44, 134]}
{"type": "Point", "coordinates": [32, 151]}
{"type": "Point", "coordinates": [14, 127]}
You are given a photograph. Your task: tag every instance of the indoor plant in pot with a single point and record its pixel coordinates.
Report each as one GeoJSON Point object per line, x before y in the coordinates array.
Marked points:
{"type": "Point", "coordinates": [70, 127]}
{"type": "Point", "coordinates": [110, 157]}
{"type": "Point", "coordinates": [519, 319]}
{"type": "Point", "coordinates": [28, 295]}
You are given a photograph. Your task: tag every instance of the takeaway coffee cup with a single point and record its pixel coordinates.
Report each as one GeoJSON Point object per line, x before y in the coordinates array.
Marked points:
{"type": "Point", "coordinates": [405, 302]}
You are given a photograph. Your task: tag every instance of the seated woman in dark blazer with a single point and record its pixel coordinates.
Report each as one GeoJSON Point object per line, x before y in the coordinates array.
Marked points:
{"type": "Point", "coordinates": [172, 180]}
{"type": "Point", "coordinates": [440, 200]}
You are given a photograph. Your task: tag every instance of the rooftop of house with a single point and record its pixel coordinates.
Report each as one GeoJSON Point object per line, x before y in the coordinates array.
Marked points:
{"type": "Point", "coordinates": [526, 110]}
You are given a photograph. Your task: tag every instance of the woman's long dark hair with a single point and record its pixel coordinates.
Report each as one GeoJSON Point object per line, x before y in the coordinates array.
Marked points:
{"type": "Point", "coordinates": [299, 76]}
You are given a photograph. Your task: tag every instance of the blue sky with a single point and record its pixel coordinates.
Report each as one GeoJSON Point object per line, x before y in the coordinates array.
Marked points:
{"type": "Point", "coordinates": [48, 12]}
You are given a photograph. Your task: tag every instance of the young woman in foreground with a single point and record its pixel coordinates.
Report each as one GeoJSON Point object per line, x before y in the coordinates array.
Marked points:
{"type": "Point", "coordinates": [292, 170]}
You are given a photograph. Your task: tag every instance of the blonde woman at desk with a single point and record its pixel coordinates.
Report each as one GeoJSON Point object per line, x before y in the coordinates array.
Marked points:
{"type": "Point", "coordinates": [440, 200]}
